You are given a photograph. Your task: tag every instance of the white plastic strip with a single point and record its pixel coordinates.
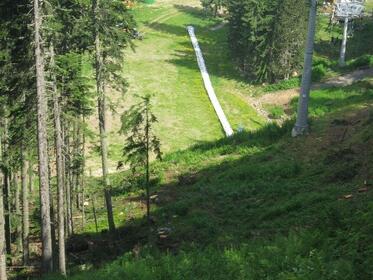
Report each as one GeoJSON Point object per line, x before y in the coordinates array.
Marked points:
{"type": "Point", "coordinates": [206, 79]}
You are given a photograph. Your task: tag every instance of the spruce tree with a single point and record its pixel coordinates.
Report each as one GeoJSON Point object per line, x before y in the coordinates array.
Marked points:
{"type": "Point", "coordinates": [267, 37]}
{"type": "Point", "coordinates": [141, 142]}
{"type": "Point", "coordinates": [113, 26]}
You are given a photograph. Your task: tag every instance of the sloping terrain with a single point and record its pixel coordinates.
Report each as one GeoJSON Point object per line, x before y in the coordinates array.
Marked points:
{"type": "Point", "coordinates": [164, 64]}
{"type": "Point", "coordinates": [259, 205]}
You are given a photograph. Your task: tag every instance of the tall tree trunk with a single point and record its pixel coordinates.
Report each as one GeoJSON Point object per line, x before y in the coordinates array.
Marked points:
{"type": "Point", "coordinates": [76, 171]}
{"type": "Point", "coordinates": [42, 107]}
{"type": "Point", "coordinates": [6, 191]}
{"type": "Point", "coordinates": [25, 210]}
{"type": "Point", "coordinates": [100, 84]}
{"type": "Point", "coordinates": [94, 211]}
{"type": "Point", "coordinates": [2, 227]}
{"type": "Point", "coordinates": [53, 213]}
{"type": "Point", "coordinates": [59, 167]}
{"type": "Point", "coordinates": [30, 177]}
{"type": "Point", "coordinates": [82, 185]}
{"type": "Point", "coordinates": [147, 168]}
{"type": "Point", "coordinates": [70, 227]}
{"type": "Point", "coordinates": [17, 198]}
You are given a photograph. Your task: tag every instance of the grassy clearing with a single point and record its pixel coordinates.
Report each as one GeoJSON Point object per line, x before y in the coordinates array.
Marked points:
{"type": "Point", "coordinates": [259, 205]}
{"type": "Point", "coordinates": [164, 64]}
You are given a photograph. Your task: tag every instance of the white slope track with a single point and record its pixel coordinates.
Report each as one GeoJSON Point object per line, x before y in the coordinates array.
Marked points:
{"type": "Point", "coordinates": [208, 85]}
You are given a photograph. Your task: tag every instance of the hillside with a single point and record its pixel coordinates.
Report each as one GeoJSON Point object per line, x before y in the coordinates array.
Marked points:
{"type": "Point", "coordinates": [258, 205]}
{"type": "Point", "coordinates": [181, 104]}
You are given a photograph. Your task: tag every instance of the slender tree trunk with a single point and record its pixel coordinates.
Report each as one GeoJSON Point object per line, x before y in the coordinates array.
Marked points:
{"type": "Point", "coordinates": [147, 169]}
{"type": "Point", "coordinates": [76, 171]}
{"type": "Point", "coordinates": [82, 185]}
{"type": "Point", "coordinates": [59, 167]}
{"type": "Point", "coordinates": [17, 198]}
{"type": "Point", "coordinates": [64, 176]}
{"type": "Point", "coordinates": [25, 210]}
{"type": "Point", "coordinates": [53, 218]}
{"type": "Point", "coordinates": [102, 120]}
{"type": "Point", "coordinates": [30, 177]}
{"type": "Point", "coordinates": [42, 108]}
{"type": "Point", "coordinates": [69, 212]}
{"type": "Point", "coordinates": [69, 224]}
{"type": "Point", "coordinates": [94, 211]}
{"type": "Point", "coordinates": [7, 208]}
{"type": "Point", "coordinates": [2, 226]}
{"type": "Point", "coordinates": [6, 190]}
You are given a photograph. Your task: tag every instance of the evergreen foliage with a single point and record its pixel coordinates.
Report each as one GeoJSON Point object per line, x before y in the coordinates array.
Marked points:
{"type": "Point", "coordinates": [141, 143]}
{"type": "Point", "coordinates": [267, 37]}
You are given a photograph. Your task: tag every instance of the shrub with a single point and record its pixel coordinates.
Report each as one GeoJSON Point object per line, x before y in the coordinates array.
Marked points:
{"type": "Point", "coordinates": [318, 72]}
{"type": "Point", "coordinates": [362, 61]}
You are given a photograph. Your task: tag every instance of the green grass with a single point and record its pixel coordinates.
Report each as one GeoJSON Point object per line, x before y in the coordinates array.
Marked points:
{"type": "Point", "coordinates": [274, 111]}
{"type": "Point", "coordinates": [259, 205]}
{"type": "Point", "coordinates": [165, 66]}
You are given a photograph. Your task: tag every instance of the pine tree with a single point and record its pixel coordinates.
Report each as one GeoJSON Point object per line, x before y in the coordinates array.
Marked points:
{"type": "Point", "coordinates": [112, 33]}
{"type": "Point", "coordinates": [267, 37]}
{"type": "Point", "coordinates": [141, 142]}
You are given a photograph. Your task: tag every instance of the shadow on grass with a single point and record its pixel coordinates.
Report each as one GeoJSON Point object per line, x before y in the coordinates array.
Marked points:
{"type": "Point", "coordinates": [214, 45]}
{"type": "Point", "coordinates": [255, 186]}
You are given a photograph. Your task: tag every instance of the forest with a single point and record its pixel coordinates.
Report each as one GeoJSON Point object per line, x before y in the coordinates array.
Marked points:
{"type": "Point", "coordinates": [113, 162]}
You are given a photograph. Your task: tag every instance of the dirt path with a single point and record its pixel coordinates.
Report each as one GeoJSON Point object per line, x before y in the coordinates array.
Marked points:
{"type": "Point", "coordinates": [284, 97]}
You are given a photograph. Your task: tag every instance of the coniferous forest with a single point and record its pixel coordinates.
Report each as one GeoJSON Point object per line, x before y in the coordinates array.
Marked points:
{"type": "Point", "coordinates": [114, 165]}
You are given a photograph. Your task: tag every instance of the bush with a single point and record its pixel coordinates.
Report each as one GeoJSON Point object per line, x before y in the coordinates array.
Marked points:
{"type": "Point", "coordinates": [275, 111]}
{"type": "Point", "coordinates": [283, 85]}
{"type": "Point", "coordinates": [318, 72]}
{"type": "Point", "coordinates": [362, 61]}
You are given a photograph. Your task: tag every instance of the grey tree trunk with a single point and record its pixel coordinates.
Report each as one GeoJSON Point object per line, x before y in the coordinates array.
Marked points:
{"type": "Point", "coordinates": [30, 177]}
{"type": "Point", "coordinates": [94, 211]}
{"type": "Point", "coordinates": [342, 58]}
{"type": "Point", "coordinates": [6, 186]}
{"type": "Point", "coordinates": [100, 84]}
{"type": "Point", "coordinates": [147, 169]}
{"type": "Point", "coordinates": [42, 108]}
{"type": "Point", "coordinates": [59, 169]}
{"type": "Point", "coordinates": [17, 198]}
{"type": "Point", "coordinates": [68, 184]}
{"type": "Point", "coordinates": [82, 185]}
{"type": "Point", "coordinates": [301, 126]}
{"type": "Point", "coordinates": [25, 210]}
{"type": "Point", "coordinates": [2, 231]}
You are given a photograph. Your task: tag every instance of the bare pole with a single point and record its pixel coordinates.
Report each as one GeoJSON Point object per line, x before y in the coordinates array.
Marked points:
{"type": "Point", "coordinates": [301, 127]}
{"type": "Point", "coordinates": [342, 58]}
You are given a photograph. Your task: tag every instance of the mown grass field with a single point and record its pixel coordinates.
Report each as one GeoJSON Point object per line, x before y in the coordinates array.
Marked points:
{"type": "Point", "coordinates": [164, 65]}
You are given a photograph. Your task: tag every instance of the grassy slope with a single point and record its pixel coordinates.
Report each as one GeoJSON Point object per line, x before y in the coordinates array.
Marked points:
{"type": "Point", "coordinates": [259, 205]}
{"type": "Point", "coordinates": [256, 206]}
{"type": "Point", "coordinates": [164, 65]}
